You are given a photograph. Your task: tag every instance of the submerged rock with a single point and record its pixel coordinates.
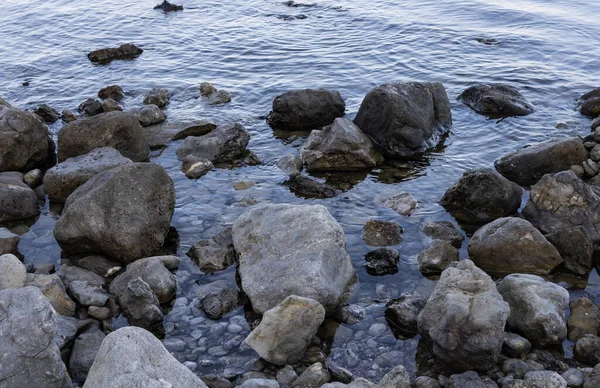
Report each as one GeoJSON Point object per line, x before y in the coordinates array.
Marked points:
{"type": "Point", "coordinates": [306, 109]}
{"type": "Point", "coordinates": [113, 91]}
{"type": "Point", "coordinates": [148, 364]}
{"type": "Point", "coordinates": [290, 164]}
{"type": "Point", "coordinates": [402, 314]}
{"type": "Point", "coordinates": [482, 196]}
{"type": "Point", "coordinates": [215, 254]}
{"type": "Point", "coordinates": [314, 376]}
{"type": "Point", "coordinates": [221, 145]}
{"type": "Point", "coordinates": [377, 233]}
{"type": "Point", "coordinates": [575, 247]}
{"type": "Point", "coordinates": [17, 200]}
{"type": "Point", "coordinates": [397, 377]}
{"type": "Point", "coordinates": [292, 250]}
{"type": "Point", "coordinates": [197, 128]}
{"type": "Point", "coordinates": [464, 319]}
{"type": "Point", "coordinates": [403, 204]}
{"type": "Point", "coordinates": [443, 230]}
{"type": "Point", "coordinates": [124, 212]}
{"type": "Point", "coordinates": [158, 97]}
{"type": "Point", "coordinates": [437, 257]}
{"type": "Point", "coordinates": [404, 118]}
{"type": "Point", "coordinates": [496, 100]}
{"type": "Point", "coordinates": [307, 187]}
{"type": "Point", "coordinates": [219, 303]}
{"type": "Point", "coordinates": [106, 55]}
{"type": "Point", "coordinates": [382, 261]}
{"type": "Point", "coordinates": [168, 7]}
{"type": "Point", "coordinates": [528, 165]}
{"type": "Point", "coordinates": [512, 245]}
{"type": "Point", "coordinates": [47, 113]}
{"type": "Point", "coordinates": [150, 115]}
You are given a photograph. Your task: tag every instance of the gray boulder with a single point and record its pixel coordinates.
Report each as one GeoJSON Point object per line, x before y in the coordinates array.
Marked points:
{"type": "Point", "coordinates": [28, 354]}
{"type": "Point", "coordinates": [124, 213]}
{"type": "Point", "coordinates": [149, 115]}
{"type": "Point", "coordinates": [84, 352]}
{"type": "Point", "coordinates": [528, 165]}
{"type": "Point", "coordinates": [215, 254]}
{"type": "Point", "coordinates": [562, 201]}
{"type": "Point", "coordinates": [88, 294]}
{"type": "Point", "coordinates": [405, 118]}
{"type": "Point", "coordinates": [340, 146]}
{"type": "Point", "coordinates": [537, 308]}
{"type": "Point", "coordinates": [512, 245]}
{"type": "Point", "coordinates": [152, 270]}
{"type": "Point", "coordinates": [61, 180]}
{"type": "Point", "coordinates": [436, 257]}
{"type": "Point", "coordinates": [70, 273]}
{"type": "Point", "coordinates": [496, 100]}
{"type": "Point", "coordinates": [292, 250]}
{"type": "Point", "coordinates": [221, 145]}
{"type": "Point", "coordinates": [9, 242]}
{"type": "Point", "coordinates": [120, 130]}
{"type": "Point", "coordinates": [53, 289]}
{"type": "Point", "coordinates": [575, 247]}
{"type": "Point", "coordinates": [17, 200]}
{"type": "Point", "coordinates": [443, 230]}
{"type": "Point", "coordinates": [286, 330]}
{"type": "Point", "coordinates": [482, 196]}
{"type": "Point", "coordinates": [148, 364]}
{"type": "Point", "coordinates": [90, 107]}
{"type": "Point", "coordinates": [158, 97]}
{"type": "Point", "coordinates": [464, 319]}
{"type": "Point", "coordinates": [13, 272]}
{"type": "Point", "coordinates": [23, 139]}
{"type": "Point", "coordinates": [306, 109]}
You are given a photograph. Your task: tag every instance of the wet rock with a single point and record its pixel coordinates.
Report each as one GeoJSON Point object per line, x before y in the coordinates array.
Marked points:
{"type": "Point", "coordinates": [589, 103]}
{"type": "Point", "coordinates": [528, 165]}
{"type": "Point", "coordinates": [140, 305]}
{"type": "Point", "coordinates": [148, 364]}
{"type": "Point", "coordinates": [313, 377]}
{"type": "Point", "coordinates": [543, 379]}
{"type": "Point", "coordinates": [306, 109]}
{"type": "Point", "coordinates": [482, 196]}
{"type": "Point", "coordinates": [29, 355]}
{"type": "Point", "coordinates": [381, 233]}
{"type": "Point", "coordinates": [158, 97]}
{"type": "Point", "coordinates": [150, 115]}
{"type": "Point", "coordinates": [496, 100]}
{"type": "Point", "coordinates": [152, 270]}
{"type": "Point", "coordinates": [290, 164]}
{"type": "Point", "coordinates": [13, 272]}
{"type": "Point", "coordinates": [110, 105]}
{"type": "Point", "coordinates": [212, 96]}
{"type": "Point", "coordinates": [307, 187]}
{"type": "Point", "coordinates": [23, 140]}
{"type": "Point", "coordinates": [575, 247]}
{"type": "Point", "coordinates": [90, 107]}
{"type": "Point", "coordinates": [53, 289]}
{"type": "Point", "coordinates": [106, 55]}
{"type": "Point", "coordinates": [587, 349]}
{"type": "Point", "coordinates": [33, 178]}
{"type": "Point", "coordinates": [402, 314]}
{"type": "Point", "coordinates": [61, 180]}
{"type": "Point", "coordinates": [464, 319]}
{"type": "Point", "coordinates": [382, 261]}
{"type": "Point", "coordinates": [405, 118]}
{"type": "Point", "coordinates": [443, 230]}
{"type": "Point", "coordinates": [84, 352]}
{"type": "Point", "coordinates": [168, 7]}
{"type": "Point", "coordinates": [469, 379]}
{"type": "Point", "coordinates": [562, 201]}
{"type": "Point", "coordinates": [286, 330]}
{"type": "Point", "coordinates": [47, 113]}
{"type": "Point", "coordinates": [396, 378]}
{"type": "Point", "coordinates": [403, 204]}
{"type": "Point", "coordinates": [217, 304]}
{"type": "Point", "coordinates": [194, 167]}
{"type": "Point", "coordinates": [536, 308]}
{"type": "Point", "coordinates": [340, 146]}
{"type": "Point", "coordinates": [113, 92]}
{"type": "Point", "coordinates": [215, 254]}
{"type": "Point", "coordinates": [9, 242]}
{"type": "Point", "coordinates": [512, 245]}
{"type": "Point", "coordinates": [120, 130]}
{"type": "Point", "coordinates": [137, 199]}
{"type": "Point", "coordinates": [350, 314]}
{"type": "Point", "coordinates": [68, 115]}
{"type": "Point", "coordinates": [223, 144]}
{"type": "Point", "coordinates": [590, 168]}
{"type": "Point", "coordinates": [88, 294]}
{"type": "Point", "coordinates": [17, 200]}
{"type": "Point", "coordinates": [198, 128]}
{"type": "Point", "coordinates": [436, 257]}
{"type": "Point", "coordinates": [292, 250]}
{"type": "Point", "coordinates": [584, 318]}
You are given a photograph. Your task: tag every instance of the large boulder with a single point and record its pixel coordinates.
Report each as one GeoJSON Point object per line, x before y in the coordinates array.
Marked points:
{"type": "Point", "coordinates": [61, 180]}
{"type": "Point", "coordinates": [537, 308]}
{"type": "Point", "coordinates": [286, 330]}
{"type": "Point", "coordinates": [340, 146]}
{"type": "Point", "coordinates": [292, 250]}
{"type": "Point", "coordinates": [482, 196]}
{"type": "Point", "coordinates": [23, 139]}
{"type": "Point", "coordinates": [17, 200]}
{"type": "Point", "coordinates": [152, 270]}
{"type": "Point", "coordinates": [562, 201]}
{"type": "Point", "coordinates": [221, 145]}
{"type": "Point", "coordinates": [464, 319]}
{"type": "Point", "coordinates": [404, 118]}
{"type": "Point", "coordinates": [120, 130]}
{"type": "Point", "coordinates": [28, 354]}
{"type": "Point", "coordinates": [124, 213]}
{"type": "Point", "coordinates": [528, 165]}
{"type": "Point", "coordinates": [496, 100]}
{"type": "Point", "coordinates": [133, 357]}
{"type": "Point", "coordinates": [512, 245]}
{"type": "Point", "coordinates": [306, 109]}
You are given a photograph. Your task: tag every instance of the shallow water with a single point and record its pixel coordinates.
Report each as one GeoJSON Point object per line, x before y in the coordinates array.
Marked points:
{"type": "Point", "coordinates": [548, 49]}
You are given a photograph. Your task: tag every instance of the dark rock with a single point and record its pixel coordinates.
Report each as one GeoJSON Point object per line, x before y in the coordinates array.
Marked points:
{"type": "Point", "coordinates": [518, 368]}
{"type": "Point", "coordinates": [91, 107]}
{"type": "Point", "coordinates": [405, 118]}
{"type": "Point", "coordinates": [381, 233]}
{"type": "Point", "coordinates": [106, 55]}
{"type": "Point", "coordinates": [152, 270]}
{"type": "Point", "coordinates": [84, 352]}
{"type": "Point", "coordinates": [215, 254]}
{"type": "Point", "coordinates": [307, 187]}
{"type": "Point", "coordinates": [382, 261]}
{"type": "Point", "coordinates": [589, 103]}
{"type": "Point", "coordinates": [194, 167]}
{"type": "Point", "coordinates": [515, 346]}
{"type": "Point", "coordinates": [575, 247]}
{"type": "Point", "coordinates": [402, 314]}
{"type": "Point", "coordinates": [68, 115]}
{"type": "Point", "coordinates": [113, 91]}
{"type": "Point", "coordinates": [168, 7]}
{"type": "Point", "coordinates": [110, 105]}
{"type": "Point", "coordinates": [47, 113]}
{"type": "Point", "coordinates": [443, 230]}
{"type": "Point", "coordinates": [306, 109]}
{"type": "Point", "coordinates": [314, 376]}
{"type": "Point", "coordinates": [436, 257]}
{"type": "Point", "coordinates": [199, 128]}
{"type": "Point", "coordinates": [71, 273]}
{"type": "Point", "coordinates": [496, 100]}
{"type": "Point", "coordinates": [587, 349]}
{"type": "Point", "coordinates": [9, 242]}
{"type": "Point", "coordinates": [140, 306]}
{"type": "Point", "coordinates": [217, 304]}
{"type": "Point", "coordinates": [212, 96]}
{"type": "Point", "coordinates": [158, 97]}
{"type": "Point", "coordinates": [17, 200]}
{"type": "Point", "coordinates": [528, 165]}
{"type": "Point", "coordinates": [584, 319]}
{"type": "Point", "coordinates": [223, 144]}
{"type": "Point", "coordinates": [150, 115]}
{"type": "Point", "coordinates": [482, 196]}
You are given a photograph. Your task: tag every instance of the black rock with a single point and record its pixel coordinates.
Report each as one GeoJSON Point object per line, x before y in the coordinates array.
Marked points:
{"type": "Point", "coordinates": [496, 100]}
{"type": "Point", "coordinates": [47, 113]}
{"type": "Point", "coordinates": [217, 304]}
{"type": "Point", "coordinates": [91, 107]}
{"type": "Point", "coordinates": [168, 7]}
{"type": "Point", "coordinates": [382, 261]}
{"type": "Point", "coordinates": [307, 187]}
{"type": "Point", "coordinates": [106, 55]}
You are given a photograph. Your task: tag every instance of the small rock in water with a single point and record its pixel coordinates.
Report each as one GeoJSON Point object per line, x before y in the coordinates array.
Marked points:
{"type": "Point", "coordinates": [590, 103]}
{"type": "Point", "coordinates": [378, 233]}
{"type": "Point", "coordinates": [222, 145]}
{"type": "Point", "coordinates": [402, 313]}
{"type": "Point", "coordinates": [158, 97]}
{"type": "Point", "coordinates": [437, 257]}
{"type": "Point", "coordinates": [382, 261]}
{"type": "Point", "coordinates": [47, 113]}
{"type": "Point", "coordinates": [350, 314]}
{"type": "Point", "coordinates": [290, 164]}
{"type": "Point", "coordinates": [168, 7]}
{"type": "Point", "coordinates": [215, 254]}
{"type": "Point", "coordinates": [110, 105]}
{"type": "Point", "coordinates": [292, 3]}
{"type": "Point", "coordinates": [243, 185]}
{"type": "Point", "coordinates": [496, 100]}
{"type": "Point", "coordinates": [315, 376]}
{"type": "Point", "coordinates": [113, 91]}
{"type": "Point", "coordinates": [488, 41]}
{"type": "Point", "coordinates": [292, 17]}
{"type": "Point", "coordinates": [91, 107]}
{"type": "Point", "coordinates": [398, 377]}
{"type": "Point", "coordinates": [217, 304]}
{"type": "Point", "coordinates": [307, 187]}
{"type": "Point", "coordinates": [403, 204]}
{"type": "Point", "coordinates": [67, 116]}
{"type": "Point", "coordinates": [194, 167]}
{"type": "Point", "coordinates": [443, 230]}
{"type": "Point", "coordinates": [150, 115]}
{"type": "Point", "coordinates": [212, 96]}
{"type": "Point", "coordinates": [106, 55]}
{"type": "Point", "coordinates": [587, 349]}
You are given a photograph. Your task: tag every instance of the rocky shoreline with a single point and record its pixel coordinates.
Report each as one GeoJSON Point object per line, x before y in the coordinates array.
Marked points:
{"type": "Point", "coordinates": [498, 318]}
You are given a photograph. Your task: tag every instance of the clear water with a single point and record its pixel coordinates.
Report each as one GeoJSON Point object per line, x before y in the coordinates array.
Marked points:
{"type": "Point", "coordinates": [548, 49]}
